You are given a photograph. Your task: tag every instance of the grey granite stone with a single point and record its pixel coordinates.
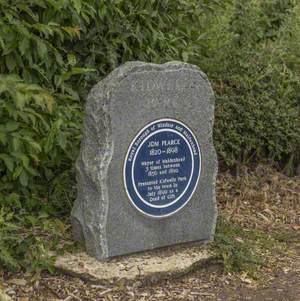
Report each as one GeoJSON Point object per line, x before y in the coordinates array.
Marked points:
{"type": "Point", "coordinates": [117, 108]}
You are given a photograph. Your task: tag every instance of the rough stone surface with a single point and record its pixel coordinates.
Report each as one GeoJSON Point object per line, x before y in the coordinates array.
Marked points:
{"type": "Point", "coordinates": [145, 267]}
{"type": "Point", "coordinates": [116, 110]}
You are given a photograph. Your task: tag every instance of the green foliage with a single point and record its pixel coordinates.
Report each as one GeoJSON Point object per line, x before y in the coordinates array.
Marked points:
{"type": "Point", "coordinates": [274, 14]}
{"type": "Point", "coordinates": [27, 241]}
{"type": "Point", "coordinates": [254, 66]}
{"type": "Point", "coordinates": [155, 31]}
{"type": "Point", "coordinates": [40, 121]}
{"type": "Point", "coordinates": [53, 51]}
{"type": "Point", "coordinates": [40, 111]}
{"type": "Point", "coordinates": [239, 250]}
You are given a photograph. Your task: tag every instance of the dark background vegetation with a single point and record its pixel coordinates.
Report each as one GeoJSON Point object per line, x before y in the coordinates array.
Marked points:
{"type": "Point", "coordinates": [53, 51]}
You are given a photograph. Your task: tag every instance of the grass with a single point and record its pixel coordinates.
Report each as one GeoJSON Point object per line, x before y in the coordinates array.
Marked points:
{"type": "Point", "coordinates": [259, 210]}
{"type": "Point", "coordinates": [241, 250]}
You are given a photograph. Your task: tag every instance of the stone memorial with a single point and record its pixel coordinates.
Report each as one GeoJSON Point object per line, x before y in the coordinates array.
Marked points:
{"type": "Point", "coordinates": [147, 167]}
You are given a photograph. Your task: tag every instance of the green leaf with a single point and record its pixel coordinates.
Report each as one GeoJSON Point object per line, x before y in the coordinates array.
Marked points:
{"type": "Point", "coordinates": [62, 141]}
{"type": "Point", "coordinates": [49, 143]}
{"type": "Point", "coordinates": [24, 45]}
{"type": "Point", "coordinates": [35, 146]}
{"type": "Point", "coordinates": [11, 126]}
{"type": "Point", "coordinates": [77, 5]}
{"type": "Point", "coordinates": [71, 59]}
{"type": "Point", "coordinates": [16, 143]}
{"type": "Point", "coordinates": [59, 58]}
{"type": "Point", "coordinates": [10, 62]}
{"type": "Point", "coordinates": [41, 49]}
{"type": "Point", "coordinates": [31, 171]}
{"type": "Point", "coordinates": [49, 101]}
{"type": "Point", "coordinates": [25, 160]}
{"type": "Point", "coordinates": [23, 178]}
{"type": "Point", "coordinates": [17, 172]}
{"type": "Point", "coordinates": [3, 138]}
{"type": "Point", "coordinates": [2, 44]}
{"type": "Point", "coordinates": [9, 162]}
{"type": "Point", "coordinates": [20, 100]}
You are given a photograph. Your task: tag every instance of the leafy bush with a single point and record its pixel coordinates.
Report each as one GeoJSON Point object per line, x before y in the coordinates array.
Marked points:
{"type": "Point", "coordinates": [238, 250]}
{"type": "Point", "coordinates": [28, 241]}
{"type": "Point", "coordinates": [254, 66]}
{"type": "Point", "coordinates": [40, 117]}
{"type": "Point", "coordinates": [154, 31]}
{"type": "Point", "coordinates": [40, 110]}
{"type": "Point", "coordinates": [53, 51]}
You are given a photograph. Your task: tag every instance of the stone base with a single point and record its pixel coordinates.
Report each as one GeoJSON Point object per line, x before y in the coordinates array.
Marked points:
{"type": "Point", "coordinates": [144, 267]}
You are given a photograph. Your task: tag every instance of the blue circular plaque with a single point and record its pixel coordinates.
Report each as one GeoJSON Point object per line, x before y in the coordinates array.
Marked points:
{"type": "Point", "coordinates": [162, 168]}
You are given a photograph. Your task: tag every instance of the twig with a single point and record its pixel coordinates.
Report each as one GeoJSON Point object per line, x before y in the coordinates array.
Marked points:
{"type": "Point", "coordinates": [51, 289]}
{"type": "Point", "coordinates": [72, 295]}
{"type": "Point", "coordinates": [105, 292]}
